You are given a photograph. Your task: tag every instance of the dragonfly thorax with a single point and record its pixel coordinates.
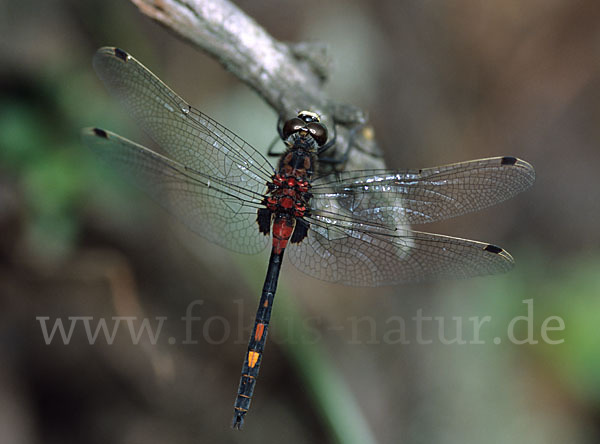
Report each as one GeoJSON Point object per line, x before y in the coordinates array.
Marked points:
{"type": "Point", "coordinates": [298, 162]}
{"type": "Point", "coordinates": [289, 195]}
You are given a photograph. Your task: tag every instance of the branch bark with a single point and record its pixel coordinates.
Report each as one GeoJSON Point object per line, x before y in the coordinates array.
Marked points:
{"type": "Point", "coordinates": [289, 77]}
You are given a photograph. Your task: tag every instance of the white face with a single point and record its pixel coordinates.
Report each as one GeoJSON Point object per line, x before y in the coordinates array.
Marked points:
{"type": "Point", "coordinates": [314, 116]}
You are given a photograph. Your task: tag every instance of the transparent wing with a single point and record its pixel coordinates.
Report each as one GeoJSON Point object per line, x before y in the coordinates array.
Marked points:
{"type": "Point", "coordinates": [359, 222]}
{"type": "Point", "coordinates": [396, 198]}
{"type": "Point", "coordinates": [370, 257]}
{"type": "Point", "coordinates": [184, 133]}
{"type": "Point", "coordinates": [223, 211]}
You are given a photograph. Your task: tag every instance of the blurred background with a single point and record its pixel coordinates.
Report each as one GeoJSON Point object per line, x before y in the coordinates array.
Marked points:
{"type": "Point", "coordinates": [443, 82]}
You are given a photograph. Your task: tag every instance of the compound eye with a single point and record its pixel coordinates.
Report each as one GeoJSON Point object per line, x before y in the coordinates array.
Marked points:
{"type": "Point", "coordinates": [318, 132]}
{"type": "Point", "coordinates": [292, 126]}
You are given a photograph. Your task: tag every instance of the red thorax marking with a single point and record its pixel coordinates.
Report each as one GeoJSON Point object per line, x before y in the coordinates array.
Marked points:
{"type": "Point", "coordinates": [288, 194]}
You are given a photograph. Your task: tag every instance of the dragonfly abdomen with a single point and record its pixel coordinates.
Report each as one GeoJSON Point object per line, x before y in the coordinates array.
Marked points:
{"type": "Point", "coordinates": [256, 345]}
{"type": "Point", "coordinates": [283, 226]}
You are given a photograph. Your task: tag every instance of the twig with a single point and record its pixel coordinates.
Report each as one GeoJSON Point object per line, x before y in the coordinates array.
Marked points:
{"type": "Point", "coordinates": [289, 77]}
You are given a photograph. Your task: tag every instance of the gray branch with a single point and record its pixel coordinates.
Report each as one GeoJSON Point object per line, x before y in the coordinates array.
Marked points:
{"type": "Point", "coordinates": [289, 77]}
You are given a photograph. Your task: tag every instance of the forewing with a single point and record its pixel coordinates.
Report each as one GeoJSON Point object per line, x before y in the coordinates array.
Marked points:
{"type": "Point", "coordinates": [214, 208]}
{"type": "Point", "coordinates": [372, 257]}
{"type": "Point", "coordinates": [184, 133]}
{"type": "Point", "coordinates": [397, 198]}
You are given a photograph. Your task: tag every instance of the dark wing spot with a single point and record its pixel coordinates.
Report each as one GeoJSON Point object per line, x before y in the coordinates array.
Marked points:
{"type": "Point", "coordinates": [300, 231]}
{"type": "Point", "coordinates": [263, 218]}
{"type": "Point", "coordinates": [100, 133]}
{"type": "Point", "coordinates": [508, 160]}
{"type": "Point", "coordinates": [121, 54]}
{"type": "Point", "coordinates": [493, 249]}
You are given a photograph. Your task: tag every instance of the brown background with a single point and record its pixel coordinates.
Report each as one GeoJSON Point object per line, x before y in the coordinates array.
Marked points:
{"type": "Point", "coordinates": [443, 82]}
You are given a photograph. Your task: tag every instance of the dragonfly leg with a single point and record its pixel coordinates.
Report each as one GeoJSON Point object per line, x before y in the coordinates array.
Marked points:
{"type": "Point", "coordinates": [341, 160]}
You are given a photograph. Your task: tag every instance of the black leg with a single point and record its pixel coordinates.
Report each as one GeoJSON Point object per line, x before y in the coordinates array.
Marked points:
{"type": "Point", "coordinates": [351, 137]}
{"type": "Point", "coordinates": [270, 150]}
{"type": "Point", "coordinates": [280, 127]}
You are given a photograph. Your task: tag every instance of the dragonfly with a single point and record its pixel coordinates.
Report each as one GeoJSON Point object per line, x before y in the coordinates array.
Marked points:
{"type": "Point", "coordinates": [349, 227]}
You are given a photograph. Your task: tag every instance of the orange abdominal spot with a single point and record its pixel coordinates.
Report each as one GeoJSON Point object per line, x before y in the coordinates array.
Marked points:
{"type": "Point", "coordinates": [260, 328]}
{"type": "Point", "coordinates": [252, 358]}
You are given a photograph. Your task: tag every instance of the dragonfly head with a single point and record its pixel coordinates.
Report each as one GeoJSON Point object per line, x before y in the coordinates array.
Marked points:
{"type": "Point", "coordinates": [306, 126]}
